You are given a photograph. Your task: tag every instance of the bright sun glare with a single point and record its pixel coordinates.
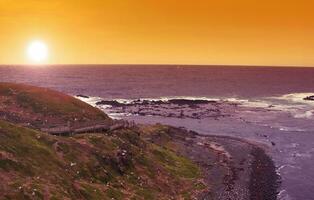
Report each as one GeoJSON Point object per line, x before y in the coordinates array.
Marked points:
{"type": "Point", "coordinates": [37, 51]}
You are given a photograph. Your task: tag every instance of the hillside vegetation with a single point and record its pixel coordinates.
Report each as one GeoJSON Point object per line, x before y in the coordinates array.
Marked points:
{"type": "Point", "coordinates": [116, 165]}
{"type": "Point", "coordinates": [120, 164]}
{"type": "Point", "coordinates": [40, 107]}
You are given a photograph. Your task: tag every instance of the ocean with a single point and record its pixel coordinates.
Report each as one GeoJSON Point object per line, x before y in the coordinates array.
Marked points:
{"type": "Point", "coordinates": [155, 81]}
{"type": "Point", "coordinates": [270, 106]}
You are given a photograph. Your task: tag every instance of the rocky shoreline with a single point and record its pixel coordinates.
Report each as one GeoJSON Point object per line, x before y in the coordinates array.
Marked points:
{"type": "Point", "coordinates": [238, 168]}
{"type": "Point", "coordinates": [264, 181]}
{"type": "Point", "coordinates": [170, 108]}
{"type": "Point", "coordinates": [242, 167]}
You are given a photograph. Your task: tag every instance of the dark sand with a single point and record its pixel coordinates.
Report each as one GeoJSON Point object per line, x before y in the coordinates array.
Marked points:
{"type": "Point", "coordinates": [235, 169]}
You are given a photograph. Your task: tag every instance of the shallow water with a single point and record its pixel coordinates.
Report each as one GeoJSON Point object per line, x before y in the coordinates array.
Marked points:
{"type": "Point", "coordinates": [271, 107]}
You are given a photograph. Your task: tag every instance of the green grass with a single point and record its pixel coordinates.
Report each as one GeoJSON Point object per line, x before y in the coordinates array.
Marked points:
{"type": "Point", "coordinates": [103, 143]}
{"type": "Point", "coordinates": [29, 156]}
{"type": "Point", "coordinates": [8, 165]}
{"type": "Point", "coordinates": [177, 165]}
{"type": "Point", "coordinates": [30, 153]}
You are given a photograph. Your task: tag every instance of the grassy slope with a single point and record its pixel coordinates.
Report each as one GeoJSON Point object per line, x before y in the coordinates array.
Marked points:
{"type": "Point", "coordinates": [117, 165]}
{"type": "Point", "coordinates": [123, 164]}
{"type": "Point", "coordinates": [39, 106]}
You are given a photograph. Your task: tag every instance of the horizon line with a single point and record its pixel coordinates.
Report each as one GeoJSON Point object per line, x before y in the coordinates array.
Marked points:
{"type": "Point", "coordinates": [170, 65]}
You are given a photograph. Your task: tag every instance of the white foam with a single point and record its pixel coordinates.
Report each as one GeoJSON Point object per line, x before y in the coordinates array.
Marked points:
{"type": "Point", "coordinates": [289, 129]}
{"type": "Point", "coordinates": [254, 103]}
{"type": "Point", "coordinates": [304, 155]}
{"type": "Point", "coordinates": [124, 101]}
{"type": "Point", "coordinates": [289, 103]}
{"type": "Point", "coordinates": [296, 98]}
{"type": "Point", "coordinates": [308, 114]}
{"type": "Point", "coordinates": [295, 104]}
{"type": "Point", "coordinates": [283, 195]}
{"type": "Point", "coordinates": [91, 100]}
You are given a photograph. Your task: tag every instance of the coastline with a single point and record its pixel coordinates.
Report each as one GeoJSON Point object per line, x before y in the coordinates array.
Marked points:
{"type": "Point", "coordinates": [264, 182]}
{"type": "Point", "coordinates": [252, 169]}
{"type": "Point", "coordinates": [280, 125]}
{"type": "Point", "coordinates": [211, 167]}
{"type": "Point", "coordinates": [264, 179]}
{"type": "Point", "coordinates": [233, 168]}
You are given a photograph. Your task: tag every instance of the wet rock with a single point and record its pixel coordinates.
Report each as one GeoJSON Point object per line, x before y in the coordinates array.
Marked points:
{"type": "Point", "coordinates": [188, 101]}
{"type": "Point", "coordinates": [309, 98]}
{"type": "Point", "coordinates": [113, 103]}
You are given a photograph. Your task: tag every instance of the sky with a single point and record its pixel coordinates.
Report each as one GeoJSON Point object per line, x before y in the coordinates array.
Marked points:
{"type": "Point", "coordinates": [201, 32]}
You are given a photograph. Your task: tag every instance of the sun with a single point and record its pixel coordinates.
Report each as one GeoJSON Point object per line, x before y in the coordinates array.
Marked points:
{"type": "Point", "coordinates": [37, 51]}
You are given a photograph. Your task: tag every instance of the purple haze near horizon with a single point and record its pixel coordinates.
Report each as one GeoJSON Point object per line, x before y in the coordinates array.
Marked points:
{"type": "Point", "coordinates": [156, 81]}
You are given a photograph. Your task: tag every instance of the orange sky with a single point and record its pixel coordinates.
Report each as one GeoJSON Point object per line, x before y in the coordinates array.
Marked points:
{"type": "Point", "coordinates": [249, 32]}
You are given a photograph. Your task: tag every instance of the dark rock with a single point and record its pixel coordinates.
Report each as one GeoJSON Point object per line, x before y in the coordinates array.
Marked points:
{"type": "Point", "coordinates": [188, 102]}
{"type": "Point", "coordinates": [110, 103]}
{"type": "Point", "coordinates": [159, 102]}
{"type": "Point", "coordinates": [309, 98]}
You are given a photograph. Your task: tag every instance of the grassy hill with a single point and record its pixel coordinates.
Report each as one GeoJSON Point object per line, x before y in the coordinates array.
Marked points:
{"type": "Point", "coordinates": [120, 164]}
{"type": "Point", "coordinates": [41, 107]}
